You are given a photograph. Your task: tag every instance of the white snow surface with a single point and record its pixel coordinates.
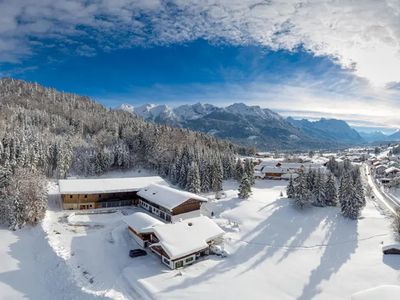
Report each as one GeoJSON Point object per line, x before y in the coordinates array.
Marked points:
{"type": "Point", "coordinates": [106, 185]}
{"type": "Point", "coordinates": [383, 292]}
{"type": "Point", "coordinates": [187, 236]}
{"type": "Point", "coordinates": [276, 252]}
{"type": "Point", "coordinates": [166, 196]}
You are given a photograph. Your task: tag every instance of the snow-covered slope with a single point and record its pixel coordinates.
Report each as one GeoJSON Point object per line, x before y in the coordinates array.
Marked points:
{"type": "Point", "coordinates": [276, 252]}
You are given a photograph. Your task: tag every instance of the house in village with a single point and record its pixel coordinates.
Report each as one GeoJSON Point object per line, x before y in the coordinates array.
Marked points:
{"type": "Point", "coordinates": [168, 203]}
{"type": "Point", "coordinates": [103, 192]}
{"type": "Point", "coordinates": [177, 244]}
{"type": "Point", "coordinates": [283, 170]}
{"type": "Point", "coordinates": [392, 172]}
{"type": "Point", "coordinates": [380, 170]}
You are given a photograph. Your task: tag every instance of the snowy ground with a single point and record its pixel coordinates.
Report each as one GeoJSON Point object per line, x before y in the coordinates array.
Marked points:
{"type": "Point", "coordinates": [277, 252]}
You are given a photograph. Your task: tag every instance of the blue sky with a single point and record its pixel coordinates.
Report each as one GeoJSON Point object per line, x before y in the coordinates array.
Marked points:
{"type": "Point", "coordinates": [336, 60]}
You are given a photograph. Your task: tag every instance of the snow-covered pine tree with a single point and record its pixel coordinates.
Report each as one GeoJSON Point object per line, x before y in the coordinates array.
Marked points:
{"type": "Point", "coordinates": [290, 189]}
{"type": "Point", "coordinates": [357, 200]}
{"type": "Point", "coordinates": [331, 192]}
{"type": "Point", "coordinates": [249, 170]}
{"type": "Point", "coordinates": [346, 191]}
{"type": "Point", "coordinates": [303, 195]}
{"type": "Point", "coordinates": [217, 176]}
{"type": "Point", "coordinates": [244, 187]}
{"type": "Point", "coordinates": [239, 170]}
{"type": "Point", "coordinates": [310, 177]}
{"type": "Point", "coordinates": [193, 184]}
{"type": "Point", "coordinates": [318, 192]}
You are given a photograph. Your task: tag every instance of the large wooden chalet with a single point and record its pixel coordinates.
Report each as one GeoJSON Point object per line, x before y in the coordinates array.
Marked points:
{"type": "Point", "coordinates": [100, 193]}
{"type": "Point", "coordinates": [177, 244]}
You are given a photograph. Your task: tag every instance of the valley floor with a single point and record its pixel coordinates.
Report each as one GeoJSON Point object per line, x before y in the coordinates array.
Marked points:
{"type": "Point", "coordinates": [276, 252]}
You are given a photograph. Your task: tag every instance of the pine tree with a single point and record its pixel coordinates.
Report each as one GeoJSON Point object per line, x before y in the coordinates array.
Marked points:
{"type": "Point", "coordinates": [303, 195]}
{"type": "Point", "coordinates": [318, 192]}
{"type": "Point", "coordinates": [346, 191]}
{"type": "Point", "coordinates": [239, 170]}
{"type": "Point", "coordinates": [357, 201]}
{"type": "Point", "coordinates": [193, 179]}
{"type": "Point", "coordinates": [290, 190]}
{"type": "Point", "coordinates": [249, 170]}
{"type": "Point", "coordinates": [217, 176]}
{"type": "Point", "coordinates": [331, 192]}
{"type": "Point", "coordinates": [244, 187]}
{"type": "Point", "coordinates": [311, 176]}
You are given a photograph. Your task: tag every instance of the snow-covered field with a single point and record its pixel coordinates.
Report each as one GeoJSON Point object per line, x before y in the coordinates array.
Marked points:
{"type": "Point", "coordinates": [277, 252]}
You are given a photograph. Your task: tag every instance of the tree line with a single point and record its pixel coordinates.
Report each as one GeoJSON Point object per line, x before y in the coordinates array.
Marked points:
{"type": "Point", "coordinates": [342, 187]}
{"type": "Point", "coordinates": [46, 133]}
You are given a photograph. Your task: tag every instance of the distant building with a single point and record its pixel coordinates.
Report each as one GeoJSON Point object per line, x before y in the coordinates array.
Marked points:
{"type": "Point", "coordinates": [284, 170]}
{"type": "Point", "coordinates": [392, 172]}
{"type": "Point", "coordinates": [176, 244]}
{"type": "Point", "coordinates": [100, 193]}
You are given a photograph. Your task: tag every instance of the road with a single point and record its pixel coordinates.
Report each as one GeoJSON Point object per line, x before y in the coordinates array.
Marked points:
{"type": "Point", "coordinates": [388, 201]}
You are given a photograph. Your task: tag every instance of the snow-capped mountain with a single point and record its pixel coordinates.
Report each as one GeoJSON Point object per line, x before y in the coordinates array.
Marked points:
{"type": "Point", "coordinates": [241, 123]}
{"type": "Point", "coordinates": [395, 136]}
{"type": "Point", "coordinates": [329, 129]}
{"type": "Point", "coordinates": [375, 136]}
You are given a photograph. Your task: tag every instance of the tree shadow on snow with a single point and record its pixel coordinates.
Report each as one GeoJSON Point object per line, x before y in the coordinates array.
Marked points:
{"type": "Point", "coordinates": [337, 251]}
{"type": "Point", "coordinates": [285, 228]}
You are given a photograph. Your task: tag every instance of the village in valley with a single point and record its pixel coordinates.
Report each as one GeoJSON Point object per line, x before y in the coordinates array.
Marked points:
{"type": "Point", "coordinates": [133, 235]}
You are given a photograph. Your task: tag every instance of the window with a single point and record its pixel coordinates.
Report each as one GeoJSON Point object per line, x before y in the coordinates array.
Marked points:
{"type": "Point", "coordinates": [85, 196]}
{"type": "Point", "coordinates": [99, 195]}
{"type": "Point", "coordinates": [70, 196]}
{"type": "Point", "coordinates": [189, 259]}
{"type": "Point", "coordinates": [166, 260]}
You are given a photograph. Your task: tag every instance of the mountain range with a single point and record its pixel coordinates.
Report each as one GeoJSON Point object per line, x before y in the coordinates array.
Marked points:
{"type": "Point", "coordinates": [251, 125]}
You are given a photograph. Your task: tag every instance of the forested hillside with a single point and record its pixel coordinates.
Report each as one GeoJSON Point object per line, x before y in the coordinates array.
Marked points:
{"type": "Point", "coordinates": [43, 131]}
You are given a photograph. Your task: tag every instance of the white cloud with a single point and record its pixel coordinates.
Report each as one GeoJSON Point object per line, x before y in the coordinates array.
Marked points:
{"type": "Point", "coordinates": [363, 35]}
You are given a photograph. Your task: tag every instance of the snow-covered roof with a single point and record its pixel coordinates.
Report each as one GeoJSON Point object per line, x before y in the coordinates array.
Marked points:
{"type": "Point", "coordinates": [166, 196]}
{"type": "Point", "coordinates": [380, 292]}
{"type": "Point", "coordinates": [141, 222]}
{"type": "Point", "coordinates": [392, 170]}
{"type": "Point", "coordinates": [187, 236]}
{"type": "Point", "coordinates": [106, 185]}
{"type": "Point", "coordinates": [391, 246]}
{"type": "Point", "coordinates": [273, 170]}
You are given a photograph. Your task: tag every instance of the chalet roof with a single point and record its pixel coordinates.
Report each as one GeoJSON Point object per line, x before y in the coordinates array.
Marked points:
{"type": "Point", "coordinates": [142, 222]}
{"type": "Point", "coordinates": [391, 246]}
{"type": "Point", "coordinates": [187, 236]}
{"type": "Point", "coordinates": [106, 185]}
{"type": "Point", "coordinates": [166, 196]}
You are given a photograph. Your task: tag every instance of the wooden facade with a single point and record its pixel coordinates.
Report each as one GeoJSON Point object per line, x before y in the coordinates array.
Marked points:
{"type": "Point", "coordinates": [90, 201]}
{"type": "Point", "coordinates": [188, 206]}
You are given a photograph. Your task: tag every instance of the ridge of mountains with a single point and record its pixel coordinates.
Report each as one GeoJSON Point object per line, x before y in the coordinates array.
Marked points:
{"type": "Point", "coordinates": [252, 125]}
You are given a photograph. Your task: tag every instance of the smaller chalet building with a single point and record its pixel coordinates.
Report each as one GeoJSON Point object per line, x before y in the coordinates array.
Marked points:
{"type": "Point", "coordinates": [102, 192]}
{"type": "Point", "coordinates": [177, 244]}
{"type": "Point", "coordinates": [168, 203]}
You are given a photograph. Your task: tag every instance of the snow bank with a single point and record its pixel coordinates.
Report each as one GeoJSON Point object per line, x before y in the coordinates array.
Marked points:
{"type": "Point", "coordinates": [383, 292]}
